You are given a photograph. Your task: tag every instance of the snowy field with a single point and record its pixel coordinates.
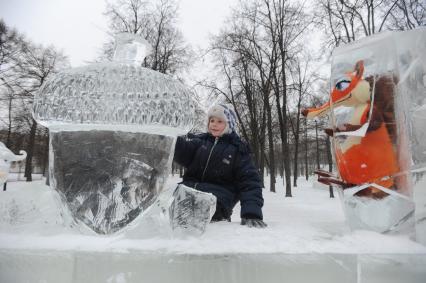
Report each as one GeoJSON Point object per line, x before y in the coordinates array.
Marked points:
{"type": "Point", "coordinates": [309, 222]}
{"type": "Point", "coordinates": [306, 232]}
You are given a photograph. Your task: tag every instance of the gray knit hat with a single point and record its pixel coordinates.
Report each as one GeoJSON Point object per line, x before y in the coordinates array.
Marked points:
{"type": "Point", "coordinates": [226, 113]}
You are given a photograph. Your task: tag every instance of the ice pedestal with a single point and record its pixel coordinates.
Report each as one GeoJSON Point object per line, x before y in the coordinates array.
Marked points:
{"type": "Point", "coordinates": [392, 214]}
{"type": "Point", "coordinates": [75, 267]}
{"type": "Point", "coordinates": [395, 213]}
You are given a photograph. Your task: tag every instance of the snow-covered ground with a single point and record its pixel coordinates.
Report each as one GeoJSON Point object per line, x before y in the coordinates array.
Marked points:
{"type": "Point", "coordinates": [309, 222]}
{"type": "Point", "coordinates": [309, 227]}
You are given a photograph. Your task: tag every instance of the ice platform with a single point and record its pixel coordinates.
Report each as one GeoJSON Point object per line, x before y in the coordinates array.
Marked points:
{"type": "Point", "coordinates": [81, 266]}
{"type": "Point", "coordinates": [306, 241]}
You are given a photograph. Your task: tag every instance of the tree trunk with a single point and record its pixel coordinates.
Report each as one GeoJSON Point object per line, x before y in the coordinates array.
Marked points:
{"type": "Point", "coordinates": [282, 118]}
{"type": "Point", "coordinates": [295, 157]}
{"type": "Point", "coordinates": [286, 160]}
{"type": "Point", "coordinates": [180, 171]}
{"type": "Point", "coordinates": [262, 163]}
{"type": "Point", "coordinates": [306, 150]}
{"type": "Point", "coordinates": [261, 128]}
{"type": "Point", "coordinates": [330, 163]}
{"type": "Point", "coordinates": [46, 155]}
{"type": "Point", "coordinates": [271, 150]}
{"type": "Point", "coordinates": [317, 144]}
{"type": "Point", "coordinates": [30, 152]}
{"type": "Point", "coordinates": [9, 126]}
{"type": "Point", "coordinates": [296, 147]}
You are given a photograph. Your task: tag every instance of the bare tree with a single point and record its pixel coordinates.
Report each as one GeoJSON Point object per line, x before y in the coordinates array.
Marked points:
{"type": "Point", "coordinates": [323, 144]}
{"type": "Point", "coordinates": [302, 79]}
{"type": "Point", "coordinates": [262, 53]}
{"type": "Point", "coordinates": [346, 21]}
{"type": "Point", "coordinates": [338, 24]}
{"type": "Point", "coordinates": [286, 23]}
{"type": "Point", "coordinates": [34, 65]}
{"type": "Point", "coordinates": [24, 67]}
{"type": "Point", "coordinates": [408, 14]}
{"type": "Point", "coordinates": [11, 45]}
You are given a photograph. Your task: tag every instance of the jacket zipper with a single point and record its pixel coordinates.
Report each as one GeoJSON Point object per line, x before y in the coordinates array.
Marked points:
{"type": "Point", "coordinates": [208, 159]}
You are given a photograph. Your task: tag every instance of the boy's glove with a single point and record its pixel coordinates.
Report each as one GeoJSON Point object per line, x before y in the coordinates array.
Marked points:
{"type": "Point", "coordinates": [252, 221]}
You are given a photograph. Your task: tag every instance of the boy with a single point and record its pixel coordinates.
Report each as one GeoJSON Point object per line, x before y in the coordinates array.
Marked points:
{"type": "Point", "coordinates": [219, 162]}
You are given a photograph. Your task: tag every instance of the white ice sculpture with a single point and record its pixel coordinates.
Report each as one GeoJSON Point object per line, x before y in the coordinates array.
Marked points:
{"type": "Point", "coordinates": [191, 210]}
{"type": "Point", "coordinates": [6, 157]}
{"type": "Point", "coordinates": [112, 134]}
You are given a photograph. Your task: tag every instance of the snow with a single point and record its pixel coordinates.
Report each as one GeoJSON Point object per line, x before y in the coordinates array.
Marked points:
{"type": "Point", "coordinates": [308, 223]}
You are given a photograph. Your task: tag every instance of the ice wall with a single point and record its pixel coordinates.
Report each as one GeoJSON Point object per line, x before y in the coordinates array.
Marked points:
{"type": "Point", "coordinates": [159, 267]}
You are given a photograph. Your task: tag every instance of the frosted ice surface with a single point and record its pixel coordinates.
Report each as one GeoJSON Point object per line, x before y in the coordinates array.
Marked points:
{"type": "Point", "coordinates": [388, 215]}
{"type": "Point", "coordinates": [119, 92]}
{"type": "Point", "coordinates": [108, 178]}
{"type": "Point", "coordinates": [191, 210]}
{"type": "Point", "coordinates": [114, 94]}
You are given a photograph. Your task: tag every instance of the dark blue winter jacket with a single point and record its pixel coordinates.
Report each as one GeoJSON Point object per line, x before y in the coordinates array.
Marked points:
{"type": "Point", "coordinates": [221, 166]}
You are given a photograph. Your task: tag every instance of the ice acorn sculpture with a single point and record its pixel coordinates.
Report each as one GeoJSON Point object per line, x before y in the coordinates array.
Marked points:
{"type": "Point", "coordinates": [376, 85]}
{"type": "Point", "coordinates": [112, 133]}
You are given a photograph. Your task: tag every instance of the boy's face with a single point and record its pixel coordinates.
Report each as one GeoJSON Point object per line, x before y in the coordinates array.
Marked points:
{"type": "Point", "coordinates": [216, 126]}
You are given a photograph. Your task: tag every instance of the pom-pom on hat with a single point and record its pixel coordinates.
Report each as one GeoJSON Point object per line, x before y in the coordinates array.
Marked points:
{"type": "Point", "coordinates": [226, 113]}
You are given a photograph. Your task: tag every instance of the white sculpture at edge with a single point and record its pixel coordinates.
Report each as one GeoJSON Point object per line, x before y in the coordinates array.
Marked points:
{"type": "Point", "coordinates": [6, 157]}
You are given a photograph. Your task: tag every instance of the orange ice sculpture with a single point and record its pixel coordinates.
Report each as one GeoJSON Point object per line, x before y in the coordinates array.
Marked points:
{"type": "Point", "coordinates": [369, 157]}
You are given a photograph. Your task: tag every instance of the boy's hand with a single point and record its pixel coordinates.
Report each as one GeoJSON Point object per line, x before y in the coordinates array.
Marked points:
{"type": "Point", "coordinates": [256, 223]}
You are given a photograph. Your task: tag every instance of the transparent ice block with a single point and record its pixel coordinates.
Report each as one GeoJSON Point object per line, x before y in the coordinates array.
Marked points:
{"type": "Point", "coordinates": [383, 162]}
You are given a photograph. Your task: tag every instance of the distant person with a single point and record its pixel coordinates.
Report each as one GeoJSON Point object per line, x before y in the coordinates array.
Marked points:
{"type": "Point", "coordinates": [219, 162]}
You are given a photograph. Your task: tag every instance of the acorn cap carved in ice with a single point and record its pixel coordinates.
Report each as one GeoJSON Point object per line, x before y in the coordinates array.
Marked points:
{"type": "Point", "coordinates": [119, 93]}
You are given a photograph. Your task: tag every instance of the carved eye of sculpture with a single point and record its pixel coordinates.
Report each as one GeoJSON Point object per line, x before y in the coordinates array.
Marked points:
{"type": "Point", "coordinates": [342, 85]}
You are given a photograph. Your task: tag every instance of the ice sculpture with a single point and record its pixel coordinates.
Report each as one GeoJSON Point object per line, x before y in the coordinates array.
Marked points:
{"type": "Point", "coordinates": [6, 157]}
{"type": "Point", "coordinates": [377, 90]}
{"type": "Point", "coordinates": [191, 210]}
{"type": "Point", "coordinates": [112, 134]}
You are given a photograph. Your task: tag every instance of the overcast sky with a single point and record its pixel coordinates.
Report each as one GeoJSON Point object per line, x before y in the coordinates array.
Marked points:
{"type": "Point", "coordinates": [78, 27]}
